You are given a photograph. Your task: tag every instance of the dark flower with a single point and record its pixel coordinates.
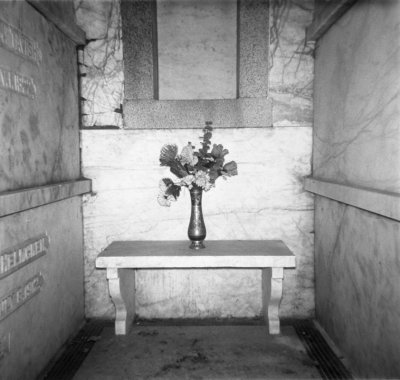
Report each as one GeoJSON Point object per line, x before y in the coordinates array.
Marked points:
{"type": "Point", "coordinates": [168, 154]}
{"type": "Point", "coordinates": [230, 169]}
{"type": "Point", "coordinates": [168, 192]}
{"type": "Point", "coordinates": [218, 151]}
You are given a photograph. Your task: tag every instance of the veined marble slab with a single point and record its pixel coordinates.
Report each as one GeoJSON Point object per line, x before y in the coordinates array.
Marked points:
{"type": "Point", "coordinates": [177, 254]}
{"type": "Point", "coordinates": [101, 63]}
{"type": "Point", "coordinates": [357, 286]}
{"type": "Point", "coordinates": [357, 97]}
{"type": "Point", "coordinates": [40, 326]}
{"type": "Point", "coordinates": [39, 116]}
{"type": "Point", "coordinates": [380, 202]}
{"type": "Point", "coordinates": [291, 64]}
{"type": "Point", "coordinates": [20, 200]}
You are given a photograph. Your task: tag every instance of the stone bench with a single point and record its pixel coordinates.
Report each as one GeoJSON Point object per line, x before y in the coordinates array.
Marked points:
{"type": "Point", "coordinates": [121, 258]}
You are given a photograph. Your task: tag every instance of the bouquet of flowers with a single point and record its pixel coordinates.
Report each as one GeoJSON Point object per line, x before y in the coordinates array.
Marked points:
{"type": "Point", "coordinates": [194, 169]}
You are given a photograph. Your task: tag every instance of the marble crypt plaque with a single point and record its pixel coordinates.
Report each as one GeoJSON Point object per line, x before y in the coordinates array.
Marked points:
{"type": "Point", "coordinates": [17, 257]}
{"type": "Point", "coordinates": [12, 301]}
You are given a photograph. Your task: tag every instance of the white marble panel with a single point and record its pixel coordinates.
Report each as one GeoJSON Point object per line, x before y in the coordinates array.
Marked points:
{"type": "Point", "coordinates": [357, 286]}
{"type": "Point", "coordinates": [265, 201]}
{"type": "Point", "coordinates": [197, 49]}
{"type": "Point", "coordinates": [101, 63]}
{"type": "Point", "coordinates": [43, 324]}
{"type": "Point", "coordinates": [291, 63]}
{"type": "Point", "coordinates": [93, 17]}
{"type": "Point", "coordinates": [12, 202]}
{"type": "Point", "coordinates": [357, 98]}
{"type": "Point", "coordinates": [380, 202]}
{"type": "Point", "coordinates": [216, 254]}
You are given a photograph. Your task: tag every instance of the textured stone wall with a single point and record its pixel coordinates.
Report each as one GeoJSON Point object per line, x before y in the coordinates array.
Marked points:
{"type": "Point", "coordinates": [356, 142]}
{"type": "Point", "coordinates": [266, 200]}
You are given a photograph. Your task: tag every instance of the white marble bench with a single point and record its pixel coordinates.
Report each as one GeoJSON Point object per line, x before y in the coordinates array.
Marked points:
{"type": "Point", "coordinates": [121, 257]}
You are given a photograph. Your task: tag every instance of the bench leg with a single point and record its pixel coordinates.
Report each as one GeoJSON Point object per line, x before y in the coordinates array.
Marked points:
{"type": "Point", "coordinates": [121, 284]}
{"type": "Point", "coordinates": [272, 295]}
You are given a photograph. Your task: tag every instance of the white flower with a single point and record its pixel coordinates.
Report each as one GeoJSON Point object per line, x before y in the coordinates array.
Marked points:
{"type": "Point", "coordinates": [202, 179]}
{"type": "Point", "coordinates": [164, 200]}
{"type": "Point", "coordinates": [186, 181]}
{"type": "Point", "coordinates": [187, 156]}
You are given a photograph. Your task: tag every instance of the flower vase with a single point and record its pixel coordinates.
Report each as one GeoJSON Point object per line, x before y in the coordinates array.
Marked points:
{"type": "Point", "coordinates": [197, 228]}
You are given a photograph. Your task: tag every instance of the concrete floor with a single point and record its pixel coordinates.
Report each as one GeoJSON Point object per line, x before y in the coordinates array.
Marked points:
{"type": "Point", "coordinates": [198, 352]}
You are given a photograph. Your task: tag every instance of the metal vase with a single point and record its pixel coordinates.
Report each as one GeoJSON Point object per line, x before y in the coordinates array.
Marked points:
{"type": "Point", "coordinates": [197, 228]}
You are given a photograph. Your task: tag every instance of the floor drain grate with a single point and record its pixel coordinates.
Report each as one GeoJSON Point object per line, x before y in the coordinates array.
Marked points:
{"type": "Point", "coordinates": [76, 351]}
{"type": "Point", "coordinates": [328, 364]}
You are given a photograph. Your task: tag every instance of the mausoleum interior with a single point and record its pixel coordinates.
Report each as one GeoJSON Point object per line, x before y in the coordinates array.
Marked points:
{"type": "Point", "coordinates": [124, 255]}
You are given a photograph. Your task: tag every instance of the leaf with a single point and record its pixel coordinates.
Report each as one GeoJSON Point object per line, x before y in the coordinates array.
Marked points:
{"type": "Point", "coordinates": [173, 190]}
{"type": "Point", "coordinates": [178, 169]}
{"type": "Point", "coordinates": [214, 174]}
{"type": "Point", "coordinates": [165, 183]}
{"type": "Point", "coordinates": [168, 154]}
{"type": "Point", "coordinates": [206, 138]}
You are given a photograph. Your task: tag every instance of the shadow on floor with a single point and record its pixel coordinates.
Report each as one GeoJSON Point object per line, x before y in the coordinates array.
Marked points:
{"type": "Point", "coordinates": [198, 350]}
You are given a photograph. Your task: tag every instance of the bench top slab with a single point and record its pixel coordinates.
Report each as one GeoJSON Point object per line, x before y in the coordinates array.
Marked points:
{"type": "Point", "coordinates": [177, 254]}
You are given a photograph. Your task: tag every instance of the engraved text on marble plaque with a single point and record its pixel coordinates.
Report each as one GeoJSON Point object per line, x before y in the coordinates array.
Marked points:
{"type": "Point", "coordinates": [14, 40]}
{"type": "Point", "coordinates": [12, 301]}
{"type": "Point", "coordinates": [18, 83]}
{"type": "Point", "coordinates": [14, 258]}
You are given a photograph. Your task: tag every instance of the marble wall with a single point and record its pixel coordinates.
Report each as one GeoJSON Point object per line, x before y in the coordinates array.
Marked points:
{"type": "Point", "coordinates": [38, 128]}
{"type": "Point", "coordinates": [357, 289]}
{"type": "Point", "coordinates": [356, 142]}
{"type": "Point", "coordinates": [291, 64]}
{"type": "Point", "coordinates": [41, 234]}
{"type": "Point", "coordinates": [39, 328]}
{"type": "Point", "coordinates": [266, 200]}
{"type": "Point", "coordinates": [359, 143]}
{"type": "Point", "coordinates": [100, 63]}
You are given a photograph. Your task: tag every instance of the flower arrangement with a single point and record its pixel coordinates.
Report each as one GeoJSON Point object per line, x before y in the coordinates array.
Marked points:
{"type": "Point", "coordinates": [194, 169]}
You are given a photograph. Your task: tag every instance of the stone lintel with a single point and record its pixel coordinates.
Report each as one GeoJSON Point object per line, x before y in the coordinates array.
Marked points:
{"type": "Point", "coordinates": [172, 114]}
{"type": "Point", "coordinates": [253, 41]}
{"type": "Point", "coordinates": [20, 200]}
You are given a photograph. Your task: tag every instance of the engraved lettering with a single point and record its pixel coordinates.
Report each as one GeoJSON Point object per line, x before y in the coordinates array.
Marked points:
{"type": "Point", "coordinates": [14, 40]}
{"type": "Point", "coordinates": [11, 302]}
{"type": "Point", "coordinates": [17, 257]}
{"type": "Point", "coordinates": [18, 83]}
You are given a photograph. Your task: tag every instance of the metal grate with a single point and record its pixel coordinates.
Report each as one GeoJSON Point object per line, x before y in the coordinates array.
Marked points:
{"type": "Point", "coordinates": [328, 364]}
{"type": "Point", "coordinates": [326, 361]}
{"type": "Point", "coordinates": [76, 351]}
